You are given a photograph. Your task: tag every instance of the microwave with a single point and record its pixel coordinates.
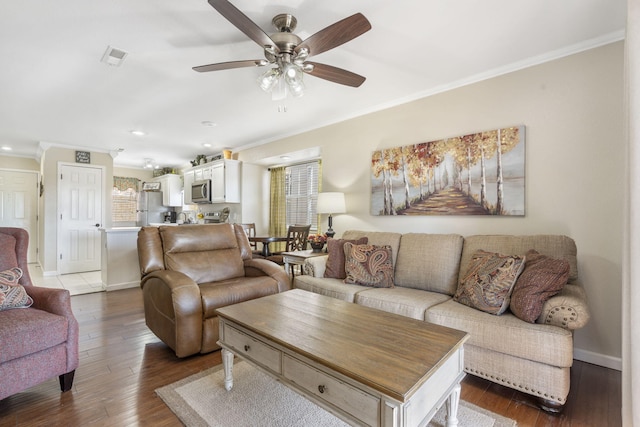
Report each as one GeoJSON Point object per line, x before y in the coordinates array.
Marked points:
{"type": "Point", "coordinates": [201, 191]}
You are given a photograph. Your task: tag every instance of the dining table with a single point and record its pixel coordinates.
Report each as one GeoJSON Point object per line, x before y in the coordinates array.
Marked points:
{"type": "Point", "coordinates": [266, 241]}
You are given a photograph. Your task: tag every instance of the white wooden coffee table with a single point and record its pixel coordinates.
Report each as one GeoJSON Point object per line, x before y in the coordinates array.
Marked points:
{"type": "Point", "coordinates": [366, 366]}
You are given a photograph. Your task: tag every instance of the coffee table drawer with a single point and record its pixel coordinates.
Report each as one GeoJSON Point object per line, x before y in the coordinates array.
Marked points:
{"type": "Point", "coordinates": [349, 399]}
{"type": "Point", "coordinates": [247, 346]}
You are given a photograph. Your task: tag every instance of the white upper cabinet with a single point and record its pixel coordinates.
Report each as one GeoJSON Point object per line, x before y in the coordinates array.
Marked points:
{"type": "Point", "coordinates": [171, 187]}
{"type": "Point", "coordinates": [225, 176]}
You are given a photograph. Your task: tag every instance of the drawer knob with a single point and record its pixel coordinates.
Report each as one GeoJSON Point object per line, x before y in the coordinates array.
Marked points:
{"type": "Point", "coordinates": [321, 388]}
{"type": "Point", "coordinates": [246, 347]}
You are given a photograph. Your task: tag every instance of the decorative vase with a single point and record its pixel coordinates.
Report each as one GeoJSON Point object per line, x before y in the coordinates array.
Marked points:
{"type": "Point", "coordinates": [317, 246]}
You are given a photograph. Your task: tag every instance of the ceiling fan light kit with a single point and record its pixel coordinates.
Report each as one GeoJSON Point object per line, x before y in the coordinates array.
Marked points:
{"type": "Point", "coordinates": [289, 53]}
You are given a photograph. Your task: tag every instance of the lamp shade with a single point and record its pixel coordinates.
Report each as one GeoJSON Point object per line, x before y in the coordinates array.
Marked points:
{"type": "Point", "coordinates": [331, 203]}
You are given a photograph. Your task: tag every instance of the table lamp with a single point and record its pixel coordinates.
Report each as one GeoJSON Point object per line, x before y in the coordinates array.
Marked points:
{"type": "Point", "coordinates": [331, 203]}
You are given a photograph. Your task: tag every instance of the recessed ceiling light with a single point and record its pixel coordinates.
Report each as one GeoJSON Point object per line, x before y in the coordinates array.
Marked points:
{"type": "Point", "coordinates": [209, 123]}
{"type": "Point", "coordinates": [206, 144]}
{"type": "Point", "coordinates": [285, 157]}
{"type": "Point", "coordinates": [6, 148]}
{"type": "Point", "coordinates": [137, 132]}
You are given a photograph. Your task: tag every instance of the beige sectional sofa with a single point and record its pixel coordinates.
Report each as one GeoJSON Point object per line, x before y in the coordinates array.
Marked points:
{"type": "Point", "coordinates": [534, 358]}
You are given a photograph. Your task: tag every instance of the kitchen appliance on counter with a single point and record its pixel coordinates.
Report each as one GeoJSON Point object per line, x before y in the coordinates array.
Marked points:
{"type": "Point", "coordinates": [170, 216]}
{"type": "Point", "coordinates": [150, 209]}
{"type": "Point", "coordinates": [216, 216]}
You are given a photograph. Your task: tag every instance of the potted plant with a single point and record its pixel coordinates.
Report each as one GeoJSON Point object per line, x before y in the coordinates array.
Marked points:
{"type": "Point", "coordinates": [317, 241]}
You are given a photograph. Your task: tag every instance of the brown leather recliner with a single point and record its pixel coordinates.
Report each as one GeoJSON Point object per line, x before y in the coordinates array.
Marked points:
{"type": "Point", "coordinates": [189, 271]}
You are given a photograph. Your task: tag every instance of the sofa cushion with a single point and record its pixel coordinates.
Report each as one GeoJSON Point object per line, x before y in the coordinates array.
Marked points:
{"type": "Point", "coordinates": [404, 301]}
{"type": "Point", "coordinates": [368, 265]}
{"type": "Point", "coordinates": [8, 258]}
{"type": "Point", "coordinates": [23, 332]}
{"type": "Point", "coordinates": [378, 238]}
{"type": "Point", "coordinates": [555, 246]}
{"type": "Point", "coordinates": [542, 278]}
{"type": "Point", "coordinates": [335, 288]}
{"type": "Point", "coordinates": [10, 276]}
{"type": "Point", "coordinates": [489, 280]}
{"type": "Point", "coordinates": [429, 262]}
{"type": "Point", "coordinates": [506, 334]}
{"type": "Point", "coordinates": [205, 253]}
{"type": "Point", "coordinates": [335, 261]}
{"type": "Point", "coordinates": [12, 294]}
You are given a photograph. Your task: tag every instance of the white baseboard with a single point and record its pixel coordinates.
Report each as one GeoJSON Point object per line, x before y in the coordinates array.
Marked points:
{"type": "Point", "coordinates": [119, 286]}
{"type": "Point", "coordinates": [598, 359]}
{"type": "Point", "coordinates": [49, 273]}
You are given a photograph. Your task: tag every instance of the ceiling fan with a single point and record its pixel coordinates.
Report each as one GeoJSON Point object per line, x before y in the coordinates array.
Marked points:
{"type": "Point", "coordinates": [289, 53]}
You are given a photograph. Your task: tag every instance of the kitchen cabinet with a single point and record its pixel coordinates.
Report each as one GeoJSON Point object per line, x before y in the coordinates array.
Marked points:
{"type": "Point", "coordinates": [120, 268]}
{"type": "Point", "coordinates": [225, 176]}
{"type": "Point", "coordinates": [171, 187]}
{"type": "Point", "coordinates": [188, 178]}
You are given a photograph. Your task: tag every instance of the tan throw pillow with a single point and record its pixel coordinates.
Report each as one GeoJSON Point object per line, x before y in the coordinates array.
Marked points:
{"type": "Point", "coordinates": [542, 278]}
{"type": "Point", "coordinates": [368, 265]}
{"type": "Point", "coordinates": [335, 261]}
{"type": "Point", "coordinates": [13, 295]}
{"type": "Point", "coordinates": [488, 283]}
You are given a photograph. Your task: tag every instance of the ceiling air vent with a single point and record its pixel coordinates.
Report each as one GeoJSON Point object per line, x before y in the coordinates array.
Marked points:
{"type": "Point", "coordinates": [113, 56]}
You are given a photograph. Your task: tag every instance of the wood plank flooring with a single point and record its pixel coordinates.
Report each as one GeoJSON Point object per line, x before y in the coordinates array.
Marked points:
{"type": "Point", "coordinates": [122, 363]}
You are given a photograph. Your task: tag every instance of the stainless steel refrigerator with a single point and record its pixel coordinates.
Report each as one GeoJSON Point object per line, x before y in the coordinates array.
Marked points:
{"type": "Point", "coordinates": [150, 209]}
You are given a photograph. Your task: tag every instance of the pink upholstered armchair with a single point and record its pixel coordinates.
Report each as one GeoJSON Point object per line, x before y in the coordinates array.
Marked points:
{"type": "Point", "coordinates": [39, 342]}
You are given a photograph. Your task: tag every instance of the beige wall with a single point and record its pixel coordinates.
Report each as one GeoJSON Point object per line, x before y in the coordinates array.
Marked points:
{"type": "Point", "coordinates": [142, 174]}
{"type": "Point", "coordinates": [19, 163]}
{"type": "Point", "coordinates": [572, 110]}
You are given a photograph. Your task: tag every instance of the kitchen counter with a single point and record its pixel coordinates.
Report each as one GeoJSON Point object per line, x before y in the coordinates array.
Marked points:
{"type": "Point", "coordinates": [120, 267]}
{"type": "Point", "coordinates": [120, 229]}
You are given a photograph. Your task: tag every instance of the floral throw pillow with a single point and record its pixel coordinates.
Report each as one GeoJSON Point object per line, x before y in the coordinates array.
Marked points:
{"type": "Point", "coordinates": [489, 281]}
{"type": "Point", "coordinates": [368, 265]}
{"type": "Point", "coordinates": [336, 259]}
{"type": "Point", "coordinates": [13, 295]}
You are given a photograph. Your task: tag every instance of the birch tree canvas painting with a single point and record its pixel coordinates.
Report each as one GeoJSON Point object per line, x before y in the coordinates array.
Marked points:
{"type": "Point", "coordinates": [477, 174]}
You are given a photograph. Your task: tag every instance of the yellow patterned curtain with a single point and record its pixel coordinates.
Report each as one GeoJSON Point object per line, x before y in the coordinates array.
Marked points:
{"type": "Point", "coordinates": [278, 207]}
{"type": "Point", "coordinates": [124, 183]}
{"type": "Point", "coordinates": [318, 219]}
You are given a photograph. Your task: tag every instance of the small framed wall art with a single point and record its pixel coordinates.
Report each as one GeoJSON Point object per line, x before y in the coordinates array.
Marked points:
{"type": "Point", "coordinates": [83, 157]}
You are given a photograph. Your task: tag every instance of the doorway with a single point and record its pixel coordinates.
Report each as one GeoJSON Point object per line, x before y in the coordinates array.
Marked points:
{"type": "Point", "coordinates": [80, 213]}
{"type": "Point", "coordinates": [19, 205]}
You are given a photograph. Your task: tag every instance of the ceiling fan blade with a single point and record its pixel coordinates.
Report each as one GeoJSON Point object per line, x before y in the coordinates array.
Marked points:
{"type": "Point", "coordinates": [336, 34]}
{"type": "Point", "coordinates": [229, 65]}
{"type": "Point", "coordinates": [243, 23]}
{"type": "Point", "coordinates": [335, 74]}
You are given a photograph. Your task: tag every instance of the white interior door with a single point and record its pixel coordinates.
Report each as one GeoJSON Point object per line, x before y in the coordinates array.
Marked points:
{"type": "Point", "coordinates": [79, 215]}
{"type": "Point", "coordinates": [19, 205]}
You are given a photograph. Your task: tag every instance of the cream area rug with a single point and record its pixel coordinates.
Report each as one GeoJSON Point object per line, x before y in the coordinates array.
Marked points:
{"type": "Point", "coordinates": [257, 399]}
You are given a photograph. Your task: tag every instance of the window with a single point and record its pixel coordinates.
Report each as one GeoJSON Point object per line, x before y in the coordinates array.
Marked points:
{"type": "Point", "coordinates": [301, 190]}
{"type": "Point", "coordinates": [124, 199]}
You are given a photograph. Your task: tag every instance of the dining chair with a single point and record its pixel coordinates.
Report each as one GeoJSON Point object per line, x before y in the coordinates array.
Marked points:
{"type": "Point", "coordinates": [297, 236]}
{"type": "Point", "coordinates": [250, 230]}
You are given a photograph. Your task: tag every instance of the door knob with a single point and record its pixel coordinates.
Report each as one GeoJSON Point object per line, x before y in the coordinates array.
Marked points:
{"type": "Point", "coordinates": [97, 225]}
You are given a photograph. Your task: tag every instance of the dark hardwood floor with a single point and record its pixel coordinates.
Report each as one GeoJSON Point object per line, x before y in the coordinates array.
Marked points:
{"type": "Point", "coordinates": [122, 363]}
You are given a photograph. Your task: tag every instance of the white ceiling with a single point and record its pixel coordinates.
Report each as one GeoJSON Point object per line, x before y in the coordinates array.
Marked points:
{"type": "Point", "coordinates": [55, 90]}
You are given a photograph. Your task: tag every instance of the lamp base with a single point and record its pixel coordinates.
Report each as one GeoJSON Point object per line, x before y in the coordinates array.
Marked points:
{"type": "Point", "coordinates": [330, 233]}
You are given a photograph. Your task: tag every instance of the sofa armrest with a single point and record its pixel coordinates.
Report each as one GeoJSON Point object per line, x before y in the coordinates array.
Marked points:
{"type": "Point", "coordinates": [173, 310]}
{"type": "Point", "coordinates": [263, 267]}
{"type": "Point", "coordinates": [315, 266]}
{"type": "Point", "coordinates": [58, 301]}
{"type": "Point", "coordinates": [568, 309]}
